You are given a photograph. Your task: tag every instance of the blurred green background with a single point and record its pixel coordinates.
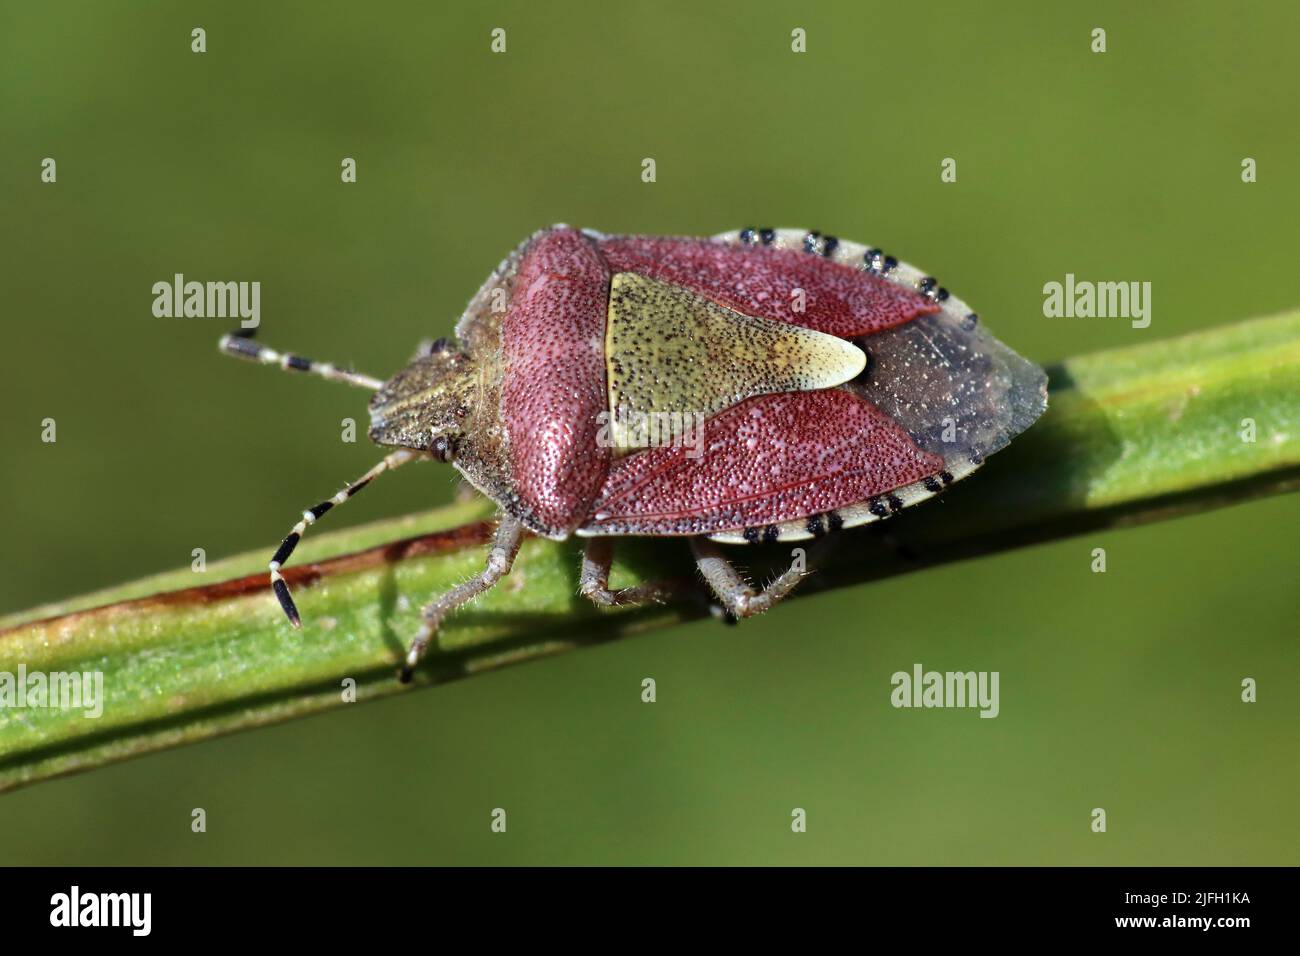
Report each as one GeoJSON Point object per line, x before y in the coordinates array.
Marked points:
{"type": "Point", "coordinates": [1118, 690]}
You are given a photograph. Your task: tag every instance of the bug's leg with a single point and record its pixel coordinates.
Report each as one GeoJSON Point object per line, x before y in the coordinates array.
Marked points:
{"type": "Point", "coordinates": [597, 557]}
{"type": "Point", "coordinates": [309, 517]}
{"type": "Point", "coordinates": [510, 535]}
{"type": "Point", "coordinates": [738, 596]}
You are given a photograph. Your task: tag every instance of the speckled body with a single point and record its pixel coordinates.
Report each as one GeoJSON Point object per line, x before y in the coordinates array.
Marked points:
{"type": "Point", "coordinates": [768, 459]}
{"type": "Point", "coordinates": [836, 385]}
{"type": "Point", "coordinates": [669, 350]}
{"type": "Point", "coordinates": [553, 339]}
{"type": "Point", "coordinates": [756, 279]}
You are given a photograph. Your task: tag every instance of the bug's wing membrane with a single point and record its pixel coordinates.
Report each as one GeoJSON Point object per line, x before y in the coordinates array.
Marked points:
{"type": "Point", "coordinates": [674, 358]}
{"type": "Point", "coordinates": [771, 282]}
{"type": "Point", "coordinates": [958, 392]}
{"type": "Point", "coordinates": [769, 459]}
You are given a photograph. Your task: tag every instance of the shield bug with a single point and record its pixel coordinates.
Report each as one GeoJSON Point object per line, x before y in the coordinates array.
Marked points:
{"type": "Point", "coordinates": [762, 385]}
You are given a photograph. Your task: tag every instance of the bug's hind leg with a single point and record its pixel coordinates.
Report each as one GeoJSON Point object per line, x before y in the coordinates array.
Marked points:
{"type": "Point", "coordinates": [505, 546]}
{"type": "Point", "coordinates": [278, 585]}
{"type": "Point", "coordinates": [598, 556]}
{"type": "Point", "coordinates": [739, 598]}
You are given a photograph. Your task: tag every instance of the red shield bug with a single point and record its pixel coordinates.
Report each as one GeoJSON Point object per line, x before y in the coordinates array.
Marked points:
{"type": "Point", "coordinates": [762, 385]}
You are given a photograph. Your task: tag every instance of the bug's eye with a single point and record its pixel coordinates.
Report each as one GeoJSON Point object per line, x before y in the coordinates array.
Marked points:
{"type": "Point", "coordinates": [439, 345]}
{"type": "Point", "coordinates": [443, 448]}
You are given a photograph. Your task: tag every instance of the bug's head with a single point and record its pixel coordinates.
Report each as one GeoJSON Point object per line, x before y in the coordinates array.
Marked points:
{"type": "Point", "coordinates": [426, 405]}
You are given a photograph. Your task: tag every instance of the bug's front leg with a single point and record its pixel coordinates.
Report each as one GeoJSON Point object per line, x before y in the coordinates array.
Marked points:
{"type": "Point", "coordinates": [505, 546]}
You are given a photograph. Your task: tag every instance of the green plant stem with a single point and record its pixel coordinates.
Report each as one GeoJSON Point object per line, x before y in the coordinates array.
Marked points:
{"type": "Point", "coordinates": [1135, 434]}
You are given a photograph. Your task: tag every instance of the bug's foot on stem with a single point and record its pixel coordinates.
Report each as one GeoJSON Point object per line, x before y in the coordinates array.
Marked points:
{"type": "Point", "coordinates": [509, 536]}
{"type": "Point", "coordinates": [413, 656]}
{"type": "Point", "coordinates": [723, 616]}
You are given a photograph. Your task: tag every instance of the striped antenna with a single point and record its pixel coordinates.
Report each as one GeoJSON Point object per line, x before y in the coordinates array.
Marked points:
{"type": "Point", "coordinates": [245, 348]}
{"type": "Point", "coordinates": [309, 517]}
